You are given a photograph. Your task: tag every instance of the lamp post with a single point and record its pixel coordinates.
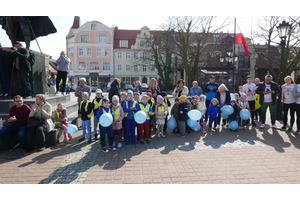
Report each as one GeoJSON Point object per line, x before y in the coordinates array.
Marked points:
{"type": "Point", "coordinates": [283, 30]}
{"type": "Point", "coordinates": [229, 60]}
{"type": "Point", "coordinates": [256, 68]}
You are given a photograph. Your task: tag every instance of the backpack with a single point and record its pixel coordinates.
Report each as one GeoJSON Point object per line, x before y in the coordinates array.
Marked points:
{"type": "Point", "coordinates": [31, 58]}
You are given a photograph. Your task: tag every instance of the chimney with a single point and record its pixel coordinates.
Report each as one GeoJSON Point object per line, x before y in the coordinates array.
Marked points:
{"type": "Point", "coordinates": [76, 22]}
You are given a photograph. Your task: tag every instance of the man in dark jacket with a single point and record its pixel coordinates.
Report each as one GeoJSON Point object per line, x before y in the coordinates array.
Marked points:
{"type": "Point", "coordinates": [4, 73]}
{"type": "Point", "coordinates": [210, 89]}
{"type": "Point", "coordinates": [268, 90]}
{"type": "Point", "coordinates": [114, 89]}
{"type": "Point", "coordinates": [21, 70]}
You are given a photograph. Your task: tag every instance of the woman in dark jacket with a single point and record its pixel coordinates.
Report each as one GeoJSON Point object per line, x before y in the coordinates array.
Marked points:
{"type": "Point", "coordinates": [138, 87]}
{"type": "Point", "coordinates": [114, 89]}
{"type": "Point", "coordinates": [223, 96]}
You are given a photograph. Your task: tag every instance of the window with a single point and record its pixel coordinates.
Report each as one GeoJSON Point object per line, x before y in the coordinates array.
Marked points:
{"type": "Point", "coordinates": [94, 66]}
{"type": "Point", "coordinates": [135, 68]}
{"type": "Point", "coordinates": [127, 55]}
{"type": "Point", "coordinates": [106, 66]}
{"type": "Point", "coordinates": [152, 55]}
{"type": "Point", "coordinates": [70, 40]}
{"type": "Point", "coordinates": [71, 66]}
{"type": "Point", "coordinates": [84, 38]}
{"type": "Point", "coordinates": [81, 66]}
{"type": "Point", "coordinates": [123, 43]}
{"type": "Point", "coordinates": [119, 68]}
{"type": "Point", "coordinates": [127, 68]}
{"type": "Point", "coordinates": [89, 52]}
{"type": "Point", "coordinates": [106, 52]}
{"type": "Point", "coordinates": [80, 51]}
{"type": "Point", "coordinates": [152, 68]}
{"type": "Point", "coordinates": [70, 52]}
{"type": "Point", "coordinates": [101, 52]}
{"type": "Point", "coordinates": [147, 44]}
{"type": "Point", "coordinates": [119, 55]}
{"type": "Point", "coordinates": [216, 38]}
{"type": "Point", "coordinates": [136, 56]}
{"type": "Point", "coordinates": [98, 52]}
{"type": "Point", "coordinates": [102, 38]}
{"type": "Point", "coordinates": [216, 54]}
{"type": "Point", "coordinates": [93, 27]}
{"type": "Point", "coordinates": [141, 43]}
{"type": "Point", "coordinates": [144, 68]}
{"type": "Point", "coordinates": [144, 55]}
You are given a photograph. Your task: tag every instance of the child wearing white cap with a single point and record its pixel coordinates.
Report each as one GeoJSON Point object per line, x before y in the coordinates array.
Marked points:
{"type": "Point", "coordinates": [97, 102]}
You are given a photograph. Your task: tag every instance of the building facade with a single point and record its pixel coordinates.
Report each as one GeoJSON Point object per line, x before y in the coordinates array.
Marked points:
{"type": "Point", "coordinates": [90, 49]}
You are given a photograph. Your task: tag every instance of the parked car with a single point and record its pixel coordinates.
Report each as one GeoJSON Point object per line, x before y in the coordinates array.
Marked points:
{"type": "Point", "coordinates": [94, 88]}
{"type": "Point", "coordinates": [144, 87]}
{"type": "Point", "coordinates": [108, 86]}
{"type": "Point", "coordinates": [128, 87]}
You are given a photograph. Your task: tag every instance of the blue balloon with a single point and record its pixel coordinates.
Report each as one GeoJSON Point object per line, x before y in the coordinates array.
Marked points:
{"type": "Point", "coordinates": [106, 119]}
{"type": "Point", "coordinates": [232, 96]}
{"type": "Point", "coordinates": [72, 129]}
{"type": "Point", "coordinates": [245, 114]}
{"type": "Point", "coordinates": [172, 124]}
{"type": "Point", "coordinates": [227, 110]}
{"type": "Point", "coordinates": [197, 128]}
{"type": "Point", "coordinates": [194, 114]}
{"type": "Point", "coordinates": [224, 116]}
{"type": "Point", "coordinates": [233, 125]}
{"type": "Point", "coordinates": [140, 117]}
{"type": "Point", "coordinates": [192, 123]}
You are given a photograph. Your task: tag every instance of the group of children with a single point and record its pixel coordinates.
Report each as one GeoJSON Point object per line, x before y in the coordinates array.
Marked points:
{"type": "Point", "coordinates": [156, 108]}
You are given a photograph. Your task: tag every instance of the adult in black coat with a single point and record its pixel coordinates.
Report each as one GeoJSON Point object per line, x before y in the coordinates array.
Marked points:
{"type": "Point", "coordinates": [222, 90]}
{"type": "Point", "coordinates": [114, 89]}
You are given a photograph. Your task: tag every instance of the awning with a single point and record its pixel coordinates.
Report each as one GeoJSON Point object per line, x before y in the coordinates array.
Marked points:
{"type": "Point", "coordinates": [52, 70]}
{"type": "Point", "coordinates": [214, 72]}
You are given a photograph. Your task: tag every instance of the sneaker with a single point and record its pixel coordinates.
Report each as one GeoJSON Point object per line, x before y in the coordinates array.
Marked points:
{"type": "Point", "coordinates": [56, 93]}
{"type": "Point", "coordinates": [113, 144]}
{"type": "Point", "coordinates": [253, 124]}
{"type": "Point", "coordinates": [66, 140]}
{"type": "Point", "coordinates": [240, 127]}
{"type": "Point", "coordinates": [142, 141]}
{"type": "Point", "coordinates": [274, 126]}
{"type": "Point", "coordinates": [218, 126]}
{"type": "Point", "coordinates": [90, 141]}
{"type": "Point", "coordinates": [209, 129]}
{"type": "Point", "coordinates": [119, 145]}
{"type": "Point", "coordinates": [96, 137]}
{"type": "Point", "coordinates": [262, 126]}
{"type": "Point", "coordinates": [42, 148]}
{"type": "Point", "coordinates": [189, 133]}
{"type": "Point", "coordinates": [283, 128]}
{"type": "Point", "coordinates": [81, 139]}
{"type": "Point", "coordinates": [297, 132]}
{"type": "Point", "coordinates": [214, 128]}
{"type": "Point", "coordinates": [165, 132]}
{"type": "Point", "coordinates": [182, 135]}
{"type": "Point", "coordinates": [104, 150]}
{"type": "Point", "coordinates": [158, 135]}
{"type": "Point", "coordinates": [148, 141]}
{"type": "Point", "coordinates": [245, 127]}
{"type": "Point", "coordinates": [70, 137]}
{"type": "Point", "coordinates": [112, 148]}
{"type": "Point", "coordinates": [178, 134]}
{"type": "Point", "coordinates": [225, 127]}
{"type": "Point", "coordinates": [162, 135]}
{"type": "Point", "coordinates": [290, 129]}
{"type": "Point", "coordinates": [203, 130]}
{"type": "Point", "coordinates": [16, 146]}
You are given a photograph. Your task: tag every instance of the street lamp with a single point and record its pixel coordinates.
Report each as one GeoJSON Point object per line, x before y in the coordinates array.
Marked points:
{"type": "Point", "coordinates": [229, 60]}
{"type": "Point", "coordinates": [283, 30]}
{"type": "Point", "coordinates": [256, 68]}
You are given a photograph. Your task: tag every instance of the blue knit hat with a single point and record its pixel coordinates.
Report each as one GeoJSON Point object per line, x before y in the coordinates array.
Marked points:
{"type": "Point", "coordinates": [129, 92]}
{"type": "Point", "coordinates": [232, 100]}
{"type": "Point", "coordinates": [105, 100]}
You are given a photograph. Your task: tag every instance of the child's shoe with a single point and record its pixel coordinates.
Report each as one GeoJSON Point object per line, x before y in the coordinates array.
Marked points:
{"type": "Point", "coordinates": [105, 150]}
{"type": "Point", "coordinates": [112, 148]}
{"type": "Point", "coordinates": [119, 145]}
{"type": "Point", "coordinates": [214, 128]}
{"type": "Point", "coordinates": [203, 130]}
{"type": "Point", "coordinates": [70, 137]}
{"type": "Point", "coordinates": [165, 132]}
{"type": "Point", "coordinates": [245, 127]}
{"type": "Point", "coordinates": [96, 136]}
{"type": "Point", "coordinates": [178, 134]}
{"type": "Point", "coordinates": [90, 141]}
{"type": "Point", "coordinates": [66, 140]}
{"type": "Point", "coordinates": [113, 144]}
{"type": "Point", "coordinates": [225, 126]}
{"type": "Point", "coordinates": [240, 127]}
{"type": "Point", "coordinates": [148, 141]}
{"type": "Point", "coordinates": [297, 132]}
{"type": "Point", "coordinates": [182, 135]}
{"type": "Point", "coordinates": [158, 135]}
{"type": "Point", "coordinates": [142, 141]}
{"type": "Point", "coordinates": [162, 135]}
{"type": "Point", "coordinates": [209, 129]}
{"type": "Point", "coordinates": [81, 139]}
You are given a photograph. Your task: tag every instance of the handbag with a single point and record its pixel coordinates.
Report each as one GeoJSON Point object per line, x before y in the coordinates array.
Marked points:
{"type": "Point", "coordinates": [34, 122]}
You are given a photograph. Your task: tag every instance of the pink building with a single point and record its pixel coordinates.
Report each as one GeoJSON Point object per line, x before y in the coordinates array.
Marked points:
{"type": "Point", "coordinates": [90, 49]}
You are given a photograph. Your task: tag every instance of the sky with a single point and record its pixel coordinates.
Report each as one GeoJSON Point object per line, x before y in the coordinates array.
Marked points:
{"type": "Point", "coordinates": [130, 15]}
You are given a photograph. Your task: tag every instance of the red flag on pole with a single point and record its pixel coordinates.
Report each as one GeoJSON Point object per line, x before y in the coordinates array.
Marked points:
{"type": "Point", "coordinates": [241, 40]}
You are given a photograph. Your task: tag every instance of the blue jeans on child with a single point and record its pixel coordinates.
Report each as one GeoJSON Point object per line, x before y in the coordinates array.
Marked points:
{"type": "Point", "coordinates": [109, 133]}
{"type": "Point", "coordinates": [86, 124]}
{"type": "Point", "coordinates": [215, 120]}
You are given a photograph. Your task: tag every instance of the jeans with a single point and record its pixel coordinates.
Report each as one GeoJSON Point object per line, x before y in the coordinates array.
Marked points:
{"type": "Point", "coordinates": [272, 108]}
{"type": "Point", "coordinates": [86, 124]}
{"type": "Point", "coordinates": [182, 126]}
{"type": "Point", "coordinates": [95, 125]}
{"type": "Point", "coordinates": [117, 133]}
{"type": "Point", "coordinates": [61, 75]}
{"type": "Point", "coordinates": [215, 120]}
{"type": "Point", "coordinates": [109, 133]}
{"type": "Point", "coordinates": [129, 130]}
{"type": "Point", "coordinates": [20, 128]}
{"type": "Point", "coordinates": [4, 82]}
{"type": "Point", "coordinates": [286, 108]}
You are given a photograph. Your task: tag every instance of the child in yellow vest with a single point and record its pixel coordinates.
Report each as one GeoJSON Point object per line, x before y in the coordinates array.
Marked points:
{"type": "Point", "coordinates": [160, 114]}
{"type": "Point", "coordinates": [60, 121]}
{"type": "Point", "coordinates": [97, 102]}
{"type": "Point", "coordinates": [85, 112]}
{"type": "Point", "coordinates": [167, 104]}
{"type": "Point", "coordinates": [117, 123]}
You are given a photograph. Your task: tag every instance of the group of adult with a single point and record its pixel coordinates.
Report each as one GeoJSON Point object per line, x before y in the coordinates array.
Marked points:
{"type": "Point", "coordinates": [267, 90]}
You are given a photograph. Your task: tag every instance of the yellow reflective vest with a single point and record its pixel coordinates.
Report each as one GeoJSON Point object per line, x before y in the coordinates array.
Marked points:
{"type": "Point", "coordinates": [97, 104]}
{"type": "Point", "coordinates": [145, 109]}
{"type": "Point", "coordinates": [57, 114]}
{"type": "Point", "coordinates": [117, 114]}
{"type": "Point", "coordinates": [160, 109]}
{"type": "Point", "coordinates": [86, 107]}
{"type": "Point", "coordinates": [133, 105]}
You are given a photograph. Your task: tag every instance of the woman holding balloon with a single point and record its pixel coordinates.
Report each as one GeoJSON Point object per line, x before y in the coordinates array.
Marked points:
{"type": "Point", "coordinates": [223, 96]}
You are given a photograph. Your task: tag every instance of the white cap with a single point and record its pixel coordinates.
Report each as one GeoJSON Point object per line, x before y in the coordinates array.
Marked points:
{"type": "Point", "coordinates": [98, 91]}
{"type": "Point", "coordinates": [85, 94]}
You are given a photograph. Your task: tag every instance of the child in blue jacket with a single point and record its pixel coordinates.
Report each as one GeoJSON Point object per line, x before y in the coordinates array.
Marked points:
{"type": "Point", "coordinates": [106, 130]}
{"type": "Point", "coordinates": [212, 113]}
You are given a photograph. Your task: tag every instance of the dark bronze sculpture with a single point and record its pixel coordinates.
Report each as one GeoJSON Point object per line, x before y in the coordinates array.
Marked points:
{"type": "Point", "coordinates": [26, 28]}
